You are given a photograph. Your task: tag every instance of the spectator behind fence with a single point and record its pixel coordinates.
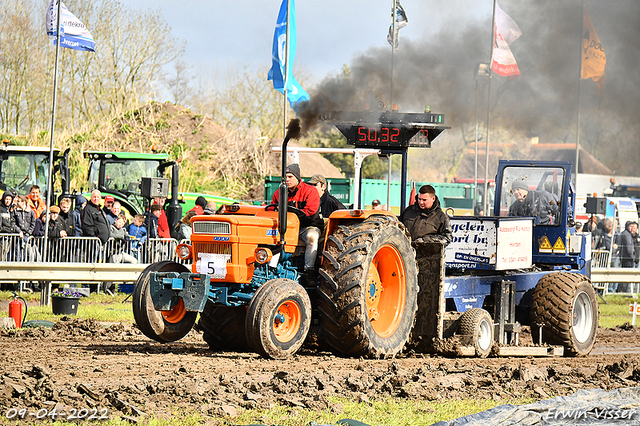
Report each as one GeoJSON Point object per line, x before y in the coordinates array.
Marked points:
{"type": "Point", "coordinates": [94, 219]}
{"type": "Point", "coordinates": [108, 203]}
{"type": "Point", "coordinates": [35, 202]}
{"type": "Point", "coordinates": [201, 204]}
{"type": "Point", "coordinates": [152, 222]}
{"type": "Point", "coordinates": [137, 231]}
{"type": "Point", "coordinates": [163, 222]}
{"type": "Point", "coordinates": [210, 209]}
{"type": "Point", "coordinates": [65, 216]}
{"type": "Point", "coordinates": [627, 244]}
{"type": "Point", "coordinates": [120, 237]}
{"type": "Point", "coordinates": [591, 224]}
{"type": "Point", "coordinates": [24, 217]}
{"type": "Point", "coordinates": [76, 216]}
{"type": "Point", "coordinates": [114, 212]}
{"type": "Point", "coordinates": [184, 227]}
{"type": "Point", "coordinates": [53, 221]}
{"type": "Point", "coordinates": [7, 224]}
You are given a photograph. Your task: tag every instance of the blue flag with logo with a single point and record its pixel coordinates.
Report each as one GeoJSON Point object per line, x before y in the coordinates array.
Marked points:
{"type": "Point", "coordinates": [281, 70]}
{"type": "Point", "coordinates": [73, 33]}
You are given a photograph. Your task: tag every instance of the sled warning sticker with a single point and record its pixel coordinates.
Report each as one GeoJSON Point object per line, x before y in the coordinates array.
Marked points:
{"type": "Point", "coordinates": [545, 245]}
{"type": "Point", "coordinates": [559, 246]}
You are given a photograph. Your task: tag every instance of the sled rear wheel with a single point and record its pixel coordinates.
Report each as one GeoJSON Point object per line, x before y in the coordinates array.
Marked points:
{"type": "Point", "coordinates": [477, 324]}
{"type": "Point", "coordinates": [564, 305]}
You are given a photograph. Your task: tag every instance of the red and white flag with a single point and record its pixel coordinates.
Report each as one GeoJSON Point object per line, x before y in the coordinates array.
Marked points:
{"type": "Point", "coordinates": [506, 32]}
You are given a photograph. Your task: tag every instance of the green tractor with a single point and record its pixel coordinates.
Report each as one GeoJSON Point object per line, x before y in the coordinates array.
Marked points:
{"type": "Point", "coordinates": [121, 174]}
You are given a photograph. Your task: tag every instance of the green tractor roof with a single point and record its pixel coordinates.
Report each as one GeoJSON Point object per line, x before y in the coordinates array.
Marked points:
{"type": "Point", "coordinates": [126, 155]}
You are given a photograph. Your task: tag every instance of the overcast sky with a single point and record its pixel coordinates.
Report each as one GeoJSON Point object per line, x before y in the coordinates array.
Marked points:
{"type": "Point", "coordinates": [238, 34]}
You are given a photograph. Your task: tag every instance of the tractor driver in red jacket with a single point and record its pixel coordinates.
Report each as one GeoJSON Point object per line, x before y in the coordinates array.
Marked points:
{"type": "Point", "coordinates": [304, 197]}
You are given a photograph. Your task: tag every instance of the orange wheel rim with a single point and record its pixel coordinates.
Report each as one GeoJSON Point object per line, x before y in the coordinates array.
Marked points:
{"type": "Point", "coordinates": [176, 314]}
{"type": "Point", "coordinates": [287, 320]}
{"type": "Point", "coordinates": [386, 290]}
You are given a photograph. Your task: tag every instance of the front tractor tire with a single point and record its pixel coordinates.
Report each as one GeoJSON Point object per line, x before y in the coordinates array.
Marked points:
{"type": "Point", "coordinates": [278, 319]}
{"type": "Point", "coordinates": [162, 326]}
{"type": "Point", "coordinates": [368, 288]}
{"type": "Point", "coordinates": [564, 305]}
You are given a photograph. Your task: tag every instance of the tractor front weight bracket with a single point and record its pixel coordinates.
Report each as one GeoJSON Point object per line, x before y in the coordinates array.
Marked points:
{"type": "Point", "coordinates": [167, 288]}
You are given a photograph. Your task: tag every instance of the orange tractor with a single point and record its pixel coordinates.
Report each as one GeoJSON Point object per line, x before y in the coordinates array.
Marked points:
{"type": "Point", "coordinates": [498, 274]}
{"type": "Point", "coordinates": [247, 280]}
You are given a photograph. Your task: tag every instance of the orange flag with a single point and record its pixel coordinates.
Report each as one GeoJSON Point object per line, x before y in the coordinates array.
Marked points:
{"type": "Point", "coordinates": [593, 58]}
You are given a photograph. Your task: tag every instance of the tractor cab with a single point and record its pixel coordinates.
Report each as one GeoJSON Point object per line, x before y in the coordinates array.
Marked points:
{"type": "Point", "coordinates": [24, 166]}
{"type": "Point", "coordinates": [121, 174]}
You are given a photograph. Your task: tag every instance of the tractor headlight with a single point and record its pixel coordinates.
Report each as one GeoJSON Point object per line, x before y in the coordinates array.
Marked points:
{"type": "Point", "coordinates": [263, 255]}
{"type": "Point", "coordinates": [184, 251]}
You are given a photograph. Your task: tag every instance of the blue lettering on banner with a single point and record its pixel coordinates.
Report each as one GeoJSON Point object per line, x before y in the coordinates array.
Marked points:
{"type": "Point", "coordinates": [472, 258]}
{"type": "Point", "coordinates": [220, 238]}
{"type": "Point", "coordinates": [272, 232]}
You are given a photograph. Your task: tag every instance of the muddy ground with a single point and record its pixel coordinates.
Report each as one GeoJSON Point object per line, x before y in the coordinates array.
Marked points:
{"type": "Point", "coordinates": [85, 364]}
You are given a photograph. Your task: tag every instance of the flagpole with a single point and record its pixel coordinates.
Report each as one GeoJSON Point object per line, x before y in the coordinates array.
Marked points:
{"type": "Point", "coordinates": [485, 202]}
{"type": "Point", "coordinates": [393, 46]}
{"type": "Point", "coordinates": [286, 74]}
{"type": "Point", "coordinates": [53, 122]}
{"type": "Point", "coordinates": [575, 174]}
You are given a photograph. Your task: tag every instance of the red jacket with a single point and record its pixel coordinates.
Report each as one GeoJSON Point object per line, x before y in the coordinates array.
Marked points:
{"type": "Point", "coordinates": [304, 197]}
{"type": "Point", "coordinates": [163, 226]}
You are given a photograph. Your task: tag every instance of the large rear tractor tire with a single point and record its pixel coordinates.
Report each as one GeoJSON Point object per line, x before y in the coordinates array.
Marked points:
{"type": "Point", "coordinates": [162, 326]}
{"type": "Point", "coordinates": [564, 304]}
{"type": "Point", "coordinates": [478, 325]}
{"type": "Point", "coordinates": [278, 318]}
{"type": "Point", "coordinates": [223, 327]}
{"type": "Point", "coordinates": [368, 288]}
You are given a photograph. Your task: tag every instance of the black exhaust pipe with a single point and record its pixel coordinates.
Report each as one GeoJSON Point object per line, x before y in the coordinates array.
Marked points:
{"type": "Point", "coordinates": [293, 132]}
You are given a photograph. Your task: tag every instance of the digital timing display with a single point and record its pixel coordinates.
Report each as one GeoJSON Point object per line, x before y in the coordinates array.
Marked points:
{"type": "Point", "coordinates": [365, 134]}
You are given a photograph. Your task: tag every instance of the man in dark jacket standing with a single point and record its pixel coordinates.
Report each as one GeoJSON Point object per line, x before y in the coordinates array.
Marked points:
{"type": "Point", "coordinates": [304, 197]}
{"type": "Point", "coordinates": [627, 246]}
{"type": "Point", "coordinates": [75, 217]}
{"type": "Point", "coordinates": [328, 203]}
{"type": "Point", "coordinates": [94, 220]}
{"type": "Point", "coordinates": [7, 224]}
{"type": "Point", "coordinates": [425, 220]}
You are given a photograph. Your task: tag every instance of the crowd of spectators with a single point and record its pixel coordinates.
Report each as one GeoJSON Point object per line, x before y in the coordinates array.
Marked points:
{"type": "Point", "coordinates": [28, 216]}
{"type": "Point", "coordinates": [623, 248]}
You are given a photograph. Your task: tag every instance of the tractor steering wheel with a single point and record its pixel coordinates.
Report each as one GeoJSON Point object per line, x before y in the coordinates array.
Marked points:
{"type": "Point", "coordinates": [294, 210]}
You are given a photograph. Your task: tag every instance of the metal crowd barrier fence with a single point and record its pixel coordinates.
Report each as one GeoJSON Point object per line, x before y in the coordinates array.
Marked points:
{"type": "Point", "coordinates": [600, 258]}
{"type": "Point", "coordinates": [87, 250]}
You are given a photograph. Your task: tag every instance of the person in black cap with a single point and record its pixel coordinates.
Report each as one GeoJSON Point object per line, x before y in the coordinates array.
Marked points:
{"type": "Point", "coordinates": [304, 197]}
{"type": "Point", "coordinates": [328, 203]}
{"type": "Point", "coordinates": [201, 203]}
{"type": "Point", "coordinates": [542, 205]}
{"type": "Point", "coordinates": [375, 205]}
